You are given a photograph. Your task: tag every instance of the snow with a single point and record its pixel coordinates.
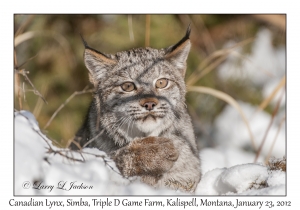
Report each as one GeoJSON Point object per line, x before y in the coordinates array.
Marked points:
{"type": "Point", "coordinates": [231, 131]}
{"type": "Point", "coordinates": [276, 178]}
{"type": "Point", "coordinates": [30, 166]}
{"type": "Point", "coordinates": [224, 157]}
{"type": "Point", "coordinates": [264, 63]}
{"type": "Point", "coordinates": [264, 68]}
{"type": "Point", "coordinates": [244, 179]}
{"type": "Point", "coordinates": [101, 173]}
{"type": "Point", "coordinates": [30, 149]}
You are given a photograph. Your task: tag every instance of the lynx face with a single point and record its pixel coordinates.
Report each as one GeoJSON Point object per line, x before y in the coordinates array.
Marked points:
{"type": "Point", "coordinates": [140, 92]}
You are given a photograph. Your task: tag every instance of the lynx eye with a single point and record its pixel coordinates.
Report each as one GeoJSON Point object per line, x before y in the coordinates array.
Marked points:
{"type": "Point", "coordinates": [161, 83]}
{"type": "Point", "coordinates": [128, 86]}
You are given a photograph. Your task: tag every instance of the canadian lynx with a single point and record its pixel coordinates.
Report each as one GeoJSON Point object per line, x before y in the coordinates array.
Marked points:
{"type": "Point", "coordinates": [138, 114]}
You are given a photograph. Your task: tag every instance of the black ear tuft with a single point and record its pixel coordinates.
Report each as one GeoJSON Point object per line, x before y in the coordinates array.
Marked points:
{"type": "Point", "coordinates": [83, 41]}
{"type": "Point", "coordinates": [178, 53]}
{"type": "Point", "coordinates": [87, 47]}
{"type": "Point", "coordinates": [186, 37]}
{"type": "Point", "coordinates": [188, 31]}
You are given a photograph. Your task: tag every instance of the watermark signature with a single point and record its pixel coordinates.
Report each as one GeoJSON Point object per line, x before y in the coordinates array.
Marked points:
{"type": "Point", "coordinates": [62, 185]}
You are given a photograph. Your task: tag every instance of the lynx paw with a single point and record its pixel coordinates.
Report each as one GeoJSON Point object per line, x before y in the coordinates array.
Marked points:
{"type": "Point", "coordinates": [148, 156]}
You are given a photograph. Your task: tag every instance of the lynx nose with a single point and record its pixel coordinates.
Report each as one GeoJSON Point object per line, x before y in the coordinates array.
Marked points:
{"type": "Point", "coordinates": [149, 104]}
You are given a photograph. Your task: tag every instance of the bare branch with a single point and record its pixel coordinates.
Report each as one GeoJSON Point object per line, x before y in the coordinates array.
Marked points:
{"type": "Point", "coordinates": [103, 158]}
{"type": "Point", "coordinates": [225, 97]}
{"type": "Point", "coordinates": [35, 130]}
{"type": "Point", "coordinates": [269, 126]}
{"type": "Point", "coordinates": [147, 31]}
{"type": "Point", "coordinates": [23, 89]}
{"type": "Point", "coordinates": [24, 25]}
{"type": "Point", "coordinates": [213, 61]}
{"type": "Point", "coordinates": [265, 103]}
{"type": "Point", "coordinates": [274, 141]}
{"type": "Point", "coordinates": [18, 83]}
{"type": "Point", "coordinates": [130, 28]}
{"type": "Point", "coordinates": [93, 139]}
{"type": "Point", "coordinates": [36, 92]}
{"type": "Point", "coordinates": [29, 59]}
{"type": "Point", "coordinates": [51, 150]}
{"type": "Point", "coordinates": [67, 101]}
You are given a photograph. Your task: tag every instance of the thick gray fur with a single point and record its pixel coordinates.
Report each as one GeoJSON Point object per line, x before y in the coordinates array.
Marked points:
{"type": "Point", "coordinates": [116, 120]}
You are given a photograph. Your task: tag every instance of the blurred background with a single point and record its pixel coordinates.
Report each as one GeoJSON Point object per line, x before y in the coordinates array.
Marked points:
{"type": "Point", "coordinates": [237, 62]}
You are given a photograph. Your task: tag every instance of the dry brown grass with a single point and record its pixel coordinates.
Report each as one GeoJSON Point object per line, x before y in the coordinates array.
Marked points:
{"type": "Point", "coordinates": [277, 164]}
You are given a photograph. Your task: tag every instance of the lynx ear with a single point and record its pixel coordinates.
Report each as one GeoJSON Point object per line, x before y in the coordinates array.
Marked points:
{"type": "Point", "coordinates": [178, 53]}
{"type": "Point", "coordinates": [97, 63]}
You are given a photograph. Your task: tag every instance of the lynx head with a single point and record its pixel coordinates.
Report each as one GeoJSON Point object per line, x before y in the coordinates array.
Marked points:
{"type": "Point", "coordinates": [140, 92]}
